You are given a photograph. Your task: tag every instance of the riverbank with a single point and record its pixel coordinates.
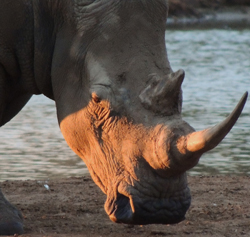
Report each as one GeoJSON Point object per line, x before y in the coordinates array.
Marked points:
{"type": "Point", "coordinates": [74, 207]}
{"type": "Point", "coordinates": [208, 14]}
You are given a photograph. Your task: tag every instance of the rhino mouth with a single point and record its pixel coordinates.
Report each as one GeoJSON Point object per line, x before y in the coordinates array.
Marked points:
{"type": "Point", "coordinates": [143, 211]}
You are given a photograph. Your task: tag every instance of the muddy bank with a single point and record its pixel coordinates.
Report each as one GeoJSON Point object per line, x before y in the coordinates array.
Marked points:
{"type": "Point", "coordinates": [209, 14]}
{"type": "Point", "coordinates": [198, 7]}
{"type": "Point", "coordinates": [74, 207]}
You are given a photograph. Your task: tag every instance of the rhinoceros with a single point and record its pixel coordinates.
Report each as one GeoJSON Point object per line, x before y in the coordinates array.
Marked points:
{"type": "Point", "coordinates": [118, 101]}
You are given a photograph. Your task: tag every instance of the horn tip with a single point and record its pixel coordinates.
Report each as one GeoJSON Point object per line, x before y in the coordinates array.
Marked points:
{"type": "Point", "coordinates": [243, 99]}
{"type": "Point", "coordinates": [245, 95]}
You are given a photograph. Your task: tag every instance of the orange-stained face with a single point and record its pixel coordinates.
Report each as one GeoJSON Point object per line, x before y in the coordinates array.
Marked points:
{"type": "Point", "coordinates": [129, 163]}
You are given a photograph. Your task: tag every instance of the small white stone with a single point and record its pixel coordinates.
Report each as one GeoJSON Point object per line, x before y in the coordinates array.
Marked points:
{"type": "Point", "coordinates": [46, 186]}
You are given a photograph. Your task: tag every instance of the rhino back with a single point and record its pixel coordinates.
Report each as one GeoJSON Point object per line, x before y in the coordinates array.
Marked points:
{"type": "Point", "coordinates": [16, 57]}
{"type": "Point", "coordinates": [16, 40]}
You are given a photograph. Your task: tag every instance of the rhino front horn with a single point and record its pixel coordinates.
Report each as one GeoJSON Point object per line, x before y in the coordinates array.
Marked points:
{"type": "Point", "coordinates": [205, 140]}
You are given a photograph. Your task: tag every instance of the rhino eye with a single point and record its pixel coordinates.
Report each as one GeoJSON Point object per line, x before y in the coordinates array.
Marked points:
{"type": "Point", "coordinates": [95, 98]}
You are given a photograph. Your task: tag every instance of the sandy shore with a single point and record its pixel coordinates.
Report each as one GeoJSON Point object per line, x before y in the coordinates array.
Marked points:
{"type": "Point", "coordinates": [74, 207]}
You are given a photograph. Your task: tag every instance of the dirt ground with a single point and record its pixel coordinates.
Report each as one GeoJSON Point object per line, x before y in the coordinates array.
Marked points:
{"type": "Point", "coordinates": [74, 207]}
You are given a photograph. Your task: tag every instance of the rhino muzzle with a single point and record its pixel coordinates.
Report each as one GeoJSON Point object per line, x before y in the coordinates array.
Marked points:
{"type": "Point", "coordinates": [149, 200]}
{"type": "Point", "coordinates": [169, 213]}
{"type": "Point", "coordinates": [136, 210]}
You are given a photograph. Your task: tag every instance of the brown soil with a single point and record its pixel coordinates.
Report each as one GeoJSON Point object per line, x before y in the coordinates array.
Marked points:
{"type": "Point", "coordinates": [74, 207]}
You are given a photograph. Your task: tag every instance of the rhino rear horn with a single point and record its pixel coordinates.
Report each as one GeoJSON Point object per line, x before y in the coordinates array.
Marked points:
{"type": "Point", "coordinates": [205, 140]}
{"type": "Point", "coordinates": [163, 95]}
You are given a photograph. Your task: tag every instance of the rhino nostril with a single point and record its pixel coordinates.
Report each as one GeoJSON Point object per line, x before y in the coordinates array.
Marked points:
{"type": "Point", "coordinates": [121, 209]}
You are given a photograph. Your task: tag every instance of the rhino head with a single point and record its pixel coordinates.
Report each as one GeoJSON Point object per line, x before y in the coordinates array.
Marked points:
{"type": "Point", "coordinates": [119, 108]}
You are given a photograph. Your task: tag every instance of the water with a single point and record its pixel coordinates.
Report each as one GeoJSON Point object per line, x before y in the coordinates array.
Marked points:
{"type": "Point", "coordinates": [217, 65]}
{"type": "Point", "coordinates": [32, 146]}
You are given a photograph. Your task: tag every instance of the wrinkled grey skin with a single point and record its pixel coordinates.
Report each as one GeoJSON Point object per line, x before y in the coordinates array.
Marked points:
{"type": "Point", "coordinates": [104, 63]}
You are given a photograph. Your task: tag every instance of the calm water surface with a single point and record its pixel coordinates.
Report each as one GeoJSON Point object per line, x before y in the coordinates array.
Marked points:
{"type": "Point", "coordinates": [217, 65]}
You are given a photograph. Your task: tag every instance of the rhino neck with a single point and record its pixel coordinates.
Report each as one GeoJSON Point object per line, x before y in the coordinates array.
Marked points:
{"type": "Point", "coordinates": [47, 22]}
